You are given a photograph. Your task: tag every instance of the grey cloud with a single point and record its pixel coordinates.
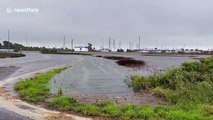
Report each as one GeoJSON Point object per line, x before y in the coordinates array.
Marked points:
{"type": "Point", "coordinates": [159, 22]}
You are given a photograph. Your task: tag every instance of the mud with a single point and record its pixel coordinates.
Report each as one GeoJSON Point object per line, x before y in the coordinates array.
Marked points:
{"type": "Point", "coordinates": [142, 98]}
{"type": "Point", "coordinates": [131, 63]}
{"type": "Point", "coordinates": [60, 116]}
{"type": "Point", "coordinates": [117, 58]}
{"type": "Point", "coordinates": [125, 61]}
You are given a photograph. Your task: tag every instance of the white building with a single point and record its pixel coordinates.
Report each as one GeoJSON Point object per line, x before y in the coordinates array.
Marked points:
{"type": "Point", "coordinates": [80, 48]}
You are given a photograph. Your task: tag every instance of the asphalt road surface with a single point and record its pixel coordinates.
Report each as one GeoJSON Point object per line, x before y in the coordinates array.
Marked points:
{"type": "Point", "coordinates": [9, 115]}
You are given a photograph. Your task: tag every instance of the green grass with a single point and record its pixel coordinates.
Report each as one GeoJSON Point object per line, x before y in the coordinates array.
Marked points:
{"type": "Point", "coordinates": [11, 55]}
{"type": "Point", "coordinates": [63, 103]}
{"type": "Point", "coordinates": [36, 89]}
{"type": "Point", "coordinates": [187, 88]}
{"type": "Point", "coordinates": [130, 111]}
{"type": "Point", "coordinates": [88, 109]}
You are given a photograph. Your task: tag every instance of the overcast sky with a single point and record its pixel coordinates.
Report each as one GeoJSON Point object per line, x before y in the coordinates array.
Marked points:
{"type": "Point", "coordinates": [160, 23]}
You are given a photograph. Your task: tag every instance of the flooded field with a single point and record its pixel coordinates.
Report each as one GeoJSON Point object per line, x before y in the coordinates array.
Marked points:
{"type": "Point", "coordinates": [97, 75]}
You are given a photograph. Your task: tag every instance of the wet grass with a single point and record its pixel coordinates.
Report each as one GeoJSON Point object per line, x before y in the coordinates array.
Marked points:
{"type": "Point", "coordinates": [140, 112]}
{"type": "Point", "coordinates": [11, 55]}
{"type": "Point", "coordinates": [36, 89]}
{"type": "Point", "coordinates": [188, 88]}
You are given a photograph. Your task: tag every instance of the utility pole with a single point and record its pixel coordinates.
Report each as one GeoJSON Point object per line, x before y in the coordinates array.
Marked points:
{"type": "Point", "coordinates": [113, 43]}
{"type": "Point", "coordinates": [119, 44]}
{"type": "Point", "coordinates": [139, 46]}
{"type": "Point", "coordinates": [109, 43]}
{"type": "Point", "coordinates": [64, 42]}
{"type": "Point", "coordinates": [8, 35]}
{"type": "Point", "coordinates": [72, 44]}
{"type": "Point", "coordinates": [102, 46]}
{"type": "Point", "coordinates": [26, 40]}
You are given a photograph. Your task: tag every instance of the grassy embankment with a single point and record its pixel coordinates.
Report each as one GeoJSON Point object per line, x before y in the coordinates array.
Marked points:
{"type": "Point", "coordinates": [188, 88]}
{"type": "Point", "coordinates": [11, 55]}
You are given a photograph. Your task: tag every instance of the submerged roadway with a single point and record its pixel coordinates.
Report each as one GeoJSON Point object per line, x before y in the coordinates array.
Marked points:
{"type": "Point", "coordinates": [14, 69]}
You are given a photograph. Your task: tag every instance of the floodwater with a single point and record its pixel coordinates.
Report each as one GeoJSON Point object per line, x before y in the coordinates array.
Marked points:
{"type": "Point", "coordinates": [95, 75]}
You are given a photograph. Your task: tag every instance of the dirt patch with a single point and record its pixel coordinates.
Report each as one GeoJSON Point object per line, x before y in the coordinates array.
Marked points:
{"type": "Point", "coordinates": [5, 94]}
{"type": "Point", "coordinates": [2, 90]}
{"type": "Point", "coordinates": [99, 56]}
{"type": "Point", "coordinates": [60, 116]}
{"type": "Point", "coordinates": [117, 58]}
{"type": "Point", "coordinates": [143, 98]}
{"type": "Point", "coordinates": [125, 61]}
{"type": "Point", "coordinates": [131, 63]}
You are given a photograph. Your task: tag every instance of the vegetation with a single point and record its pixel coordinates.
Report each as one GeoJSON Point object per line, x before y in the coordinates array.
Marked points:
{"type": "Point", "coordinates": [48, 50]}
{"type": "Point", "coordinates": [63, 103]}
{"type": "Point", "coordinates": [36, 89]}
{"type": "Point", "coordinates": [130, 111]}
{"type": "Point", "coordinates": [11, 55]}
{"type": "Point", "coordinates": [188, 89]}
{"type": "Point", "coordinates": [9, 45]}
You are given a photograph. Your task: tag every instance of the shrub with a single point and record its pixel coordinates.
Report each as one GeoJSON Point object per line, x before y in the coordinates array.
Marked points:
{"type": "Point", "coordinates": [129, 111]}
{"type": "Point", "coordinates": [110, 109]}
{"type": "Point", "coordinates": [88, 109]}
{"type": "Point", "coordinates": [63, 102]}
{"type": "Point", "coordinates": [146, 112]}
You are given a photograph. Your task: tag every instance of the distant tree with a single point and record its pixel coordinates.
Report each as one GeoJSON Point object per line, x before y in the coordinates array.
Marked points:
{"type": "Point", "coordinates": [89, 47]}
{"type": "Point", "coordinates": [17, 47]}
{"type": "Point", "coordinates": [128, 50]}
{"type": "Point", "coordinates": [7, 45]}
{"type": "Point", "coordinates": [120, 50]}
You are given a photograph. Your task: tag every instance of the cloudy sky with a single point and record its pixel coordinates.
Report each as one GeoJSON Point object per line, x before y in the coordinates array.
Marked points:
{"type": "Point", "coordinates": [160, 23]}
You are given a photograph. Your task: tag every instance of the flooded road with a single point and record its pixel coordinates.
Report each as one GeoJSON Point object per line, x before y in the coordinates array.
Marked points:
{"type": "Point", "coordinates": [89, 75]}
{"type": "Point", "coordinates": [95, 75]}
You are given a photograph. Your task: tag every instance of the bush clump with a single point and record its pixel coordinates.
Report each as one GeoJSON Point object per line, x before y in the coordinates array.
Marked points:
{"type": "Point", "coordinates": [192, 81]}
